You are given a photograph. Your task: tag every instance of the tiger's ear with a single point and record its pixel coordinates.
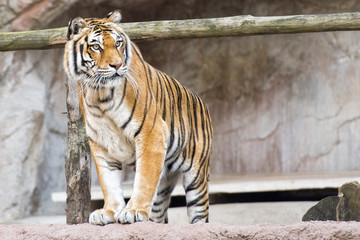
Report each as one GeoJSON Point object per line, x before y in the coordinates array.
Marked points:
{"type": "Point", "coordinates": [114, 16]}
{"type": "Point", "coordinates": [75, 26]}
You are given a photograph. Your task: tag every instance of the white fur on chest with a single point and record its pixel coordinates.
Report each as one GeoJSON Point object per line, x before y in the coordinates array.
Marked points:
{"type": "Point", "coordinates": [104, 127]}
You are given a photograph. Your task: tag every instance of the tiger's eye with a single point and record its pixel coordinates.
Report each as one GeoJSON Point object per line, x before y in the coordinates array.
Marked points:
{"type": "Point", "coordinates": [117, 43]}
{"type": "Point", "coordinates": [96, 48]}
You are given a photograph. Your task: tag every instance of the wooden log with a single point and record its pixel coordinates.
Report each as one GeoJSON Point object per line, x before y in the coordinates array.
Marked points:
{"type": "Point", "coordinates": [77, 162]}
{"type": "Point", "coordinates": [245, 25]}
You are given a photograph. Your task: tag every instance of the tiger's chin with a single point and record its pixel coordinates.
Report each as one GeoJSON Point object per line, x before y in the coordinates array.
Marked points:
{"type": "Point", "coordinates": [115, 79]}
{"type": "Point", "coordinates": [102, 82]}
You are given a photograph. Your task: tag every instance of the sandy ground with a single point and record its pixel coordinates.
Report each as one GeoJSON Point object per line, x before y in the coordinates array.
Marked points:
{"type": "Point", "coordinates": [149, 230]}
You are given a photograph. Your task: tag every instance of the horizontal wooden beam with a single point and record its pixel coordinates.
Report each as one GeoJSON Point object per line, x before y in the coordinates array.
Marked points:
{"type": "Point", "coordinates": [245, 25]}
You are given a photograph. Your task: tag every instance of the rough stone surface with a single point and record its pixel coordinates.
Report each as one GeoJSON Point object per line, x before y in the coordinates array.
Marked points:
{"type": "Point", "coordinates": [325, 210]}
{"type": "Point", "coordinates": [284, 103]}
{"type": "Point", "coordinates": [344, 207]}
{"type": "Point", "coordinates": [148, 230]}
{"type": "Point", "coordinates": [348, 208]}
{"type": "Point", "coordinates": [33, 128]}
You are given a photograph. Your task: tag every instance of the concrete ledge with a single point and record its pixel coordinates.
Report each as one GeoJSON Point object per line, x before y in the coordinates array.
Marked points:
{"type": "Point", "coordinates": [250, 184]}
{"type": "Point", "coordinates": [251, 213]}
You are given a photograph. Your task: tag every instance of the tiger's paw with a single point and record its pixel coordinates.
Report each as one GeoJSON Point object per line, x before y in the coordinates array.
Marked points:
{"type": "Point", "coordinates": [130, 216]}
{"type": "Point", "coordinates": [101, 217]}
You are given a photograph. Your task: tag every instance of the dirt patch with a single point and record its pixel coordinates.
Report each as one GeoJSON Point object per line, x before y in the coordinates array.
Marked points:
{"type": "Point", "coordinates": [148, 230]}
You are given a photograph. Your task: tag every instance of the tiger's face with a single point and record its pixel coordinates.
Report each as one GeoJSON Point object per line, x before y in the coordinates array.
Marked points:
{"type": "Point", "coordinates": [99, 52]}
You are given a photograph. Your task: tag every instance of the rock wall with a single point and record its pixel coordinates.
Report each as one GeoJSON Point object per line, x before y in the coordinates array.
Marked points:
{"type": "Point", "coordinates": [281, 103]}
{"type": "Point", "coordinates": [33, 128]}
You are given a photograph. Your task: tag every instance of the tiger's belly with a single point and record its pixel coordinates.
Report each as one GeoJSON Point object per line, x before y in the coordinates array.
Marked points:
{"type": "Point", "coordinates": [113, 142]}
{"type": "Point", "coordinates": [101, 126]}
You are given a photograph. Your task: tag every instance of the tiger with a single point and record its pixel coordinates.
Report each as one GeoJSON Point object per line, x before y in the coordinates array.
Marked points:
{"type": "Point", "coordinates": [137, 115]}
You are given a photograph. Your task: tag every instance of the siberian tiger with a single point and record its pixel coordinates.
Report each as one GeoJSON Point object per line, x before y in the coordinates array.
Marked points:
{"type": "Point", "coordinates": [135, 114]}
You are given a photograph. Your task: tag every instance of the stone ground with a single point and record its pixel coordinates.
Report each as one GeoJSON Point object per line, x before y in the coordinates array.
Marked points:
{"type": "Point", "coordinates": [275, 220]}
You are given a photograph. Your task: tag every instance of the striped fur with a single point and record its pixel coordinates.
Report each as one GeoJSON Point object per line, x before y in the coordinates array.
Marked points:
{"type": "Point", "coordinates": [136, 114]}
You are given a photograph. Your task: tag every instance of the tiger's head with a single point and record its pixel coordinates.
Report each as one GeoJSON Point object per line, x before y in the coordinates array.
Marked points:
{"type": "Point", "coordinates": [98, 52]}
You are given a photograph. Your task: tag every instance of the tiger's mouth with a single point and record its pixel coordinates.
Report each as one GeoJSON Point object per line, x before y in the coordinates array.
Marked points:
{"type": "Point", "coordinates": [107, 78]}
{"type": "Point", "coordinates": [104, 79]}
{"type": "Point", "coordinates": [111, 74]}
{"type": "Point", "coordinates": [101, 79]}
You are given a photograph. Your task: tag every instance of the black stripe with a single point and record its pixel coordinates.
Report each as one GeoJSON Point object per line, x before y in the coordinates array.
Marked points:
{"type": "Point", "coordinates": [81, 54]}
{"type": "Point", "coordinates": [151, 97]}
{"type": "Point", "coordinates": [90, 105]}
{"type": "Point", "coordinates": [114, 164]}
{"type": "Point", "coordinates": [127, 50]}
{"type": "Point", "coordinates": [157, 87]}
{"type": "Point", "coordinates": [197, 181]}
{"type": "Point", "coordinates": [69, 32]}
{"type": "Point", "coordinates": [190, 119]}
{"type": "Point", "coordinates": [202, 128]}
{"type": "Point", "coordinates": [193, 122]}
{"type": "Point", "coordinates": [132, 112]}
{"type": "Point", "coordinates": [108, 97]}
{"type": "Point", "coordinates": [144, 117]}
{"type": "Point", "coordinates": [162, 98]}
{"type": "Point", "coordinates": [158, 203]}
{"type": "Point", "coordinates": [156, 211]}
{"type": "Point", "coordinates": [123, 96]}
{"type": "Point", "coordinates": [146, 97]}
{"type": "Point", "coordinates": [163, 214]}
{"type": "Point", "coordinates": [151, 80]}
{"type": "Point", "coordinates": [196, 200]}
{"type": "Point", "coordinates": [91, 127]}
{"type": "Point", "coordinates": [179, 107]}
{"type": "Point", "coordinates": [204, 210]}
{"type": "Point", "coordinates": [199, 176]}
{"type": "Point", "coordinates": [200, 204]}
{"type": "Point", "coordinates": [75, 57]}
{"type": "Point", "coordinates": [193, 147]}
{"type": "Point", "coordinates": [204, 157]}
{"type": "Point", "coordinates": [171, 99]}
{"type": "Point", "coordinates": [95, 115]}
{"type": "Point", "coordinates": [199, 218]}
{"type": "Point", "coordinates": [166, 191]}
{"type": "Point", "coordinates": [183, 157]}
{"type": "Point", "coordinates": [126, 58]}
{"type": "Point", "coordinates": [138, 54]}
{"type": "Point", "coordinates": [109, 107]}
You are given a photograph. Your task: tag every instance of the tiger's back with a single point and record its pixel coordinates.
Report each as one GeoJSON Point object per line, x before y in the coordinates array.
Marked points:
{"type": "Point", "coordinates": [135, 114]}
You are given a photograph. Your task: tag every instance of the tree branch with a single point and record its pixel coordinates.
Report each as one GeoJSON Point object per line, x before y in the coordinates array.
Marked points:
{"type": "Point", "coordinates": [195, 28]}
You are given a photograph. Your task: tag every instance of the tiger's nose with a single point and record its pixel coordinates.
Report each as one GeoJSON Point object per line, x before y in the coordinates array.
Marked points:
{"type": "Point", "coordinates": [115, 65]}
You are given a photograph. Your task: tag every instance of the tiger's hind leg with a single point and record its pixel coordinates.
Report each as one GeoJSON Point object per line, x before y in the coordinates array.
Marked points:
{"type": "Point", "coordinates": [197, 195]}
{"type": "Point", "coordinates": [162, 197]}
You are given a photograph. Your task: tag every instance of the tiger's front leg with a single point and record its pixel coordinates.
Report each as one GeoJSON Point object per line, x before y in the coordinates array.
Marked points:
{"type": "Point", "coordinates": [110, 182]}
{"type": "Point", "coordinates": [150, 151]}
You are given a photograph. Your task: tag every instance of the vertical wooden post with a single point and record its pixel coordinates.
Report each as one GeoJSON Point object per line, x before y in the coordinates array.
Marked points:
{"type": "Point", "coordinates": [77, 162]}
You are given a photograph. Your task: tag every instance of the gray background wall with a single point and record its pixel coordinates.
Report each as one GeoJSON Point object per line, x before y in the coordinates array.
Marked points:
{"type": "Point", "coordinates": [280, 103]}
